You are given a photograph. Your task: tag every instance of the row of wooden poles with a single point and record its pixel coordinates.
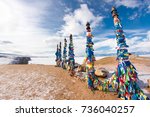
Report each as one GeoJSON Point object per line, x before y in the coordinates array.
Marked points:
{"type": "Point", "coordinates": [124, 79]}
{"type": "Point", "coordinates": [61, 60]}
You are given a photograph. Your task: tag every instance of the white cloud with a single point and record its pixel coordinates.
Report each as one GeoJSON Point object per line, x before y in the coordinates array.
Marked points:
{"type": "Point", "coordinates": [106, 42]}
{"type": "Point", "coordinates": [109, 43]}
{"type": "Point", "coordinates": [79, 43]}
{"type": "Point", "coordinates": [53, 40]}
{"type": "Point", "coordinates": [139, 44]}
{"type": "Point", "coordinates": [75, 22]}
{"type": "Point", "coordinates": [141, 47]}
{"type": "Point", "coordinates": [132, 17]}
{"type": "Point", "coordinates": [79, 46]}
{"type": "Point", "coordinates": [67, 10]}
{"type": "Point", "coordinates": [81, 1]}
{"type": "Point", "coordinates": [19, 23]}
{"type": "Point", "coordinates": [148, 35]}
{"type": "Point", "coordinates": [108, 1]}
{"type": "Point", "coordinates": [148, 9]}
{"type": "Point", "coordinates": [133, 41]}
{"type": "Point", "coordinates": [135, 32]}
{"type": "Point", "coordinates": [128, 3]}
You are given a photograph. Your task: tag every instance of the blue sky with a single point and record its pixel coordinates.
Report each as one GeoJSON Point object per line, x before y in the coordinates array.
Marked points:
{"type": "Point", "coordinates": [34, 27]}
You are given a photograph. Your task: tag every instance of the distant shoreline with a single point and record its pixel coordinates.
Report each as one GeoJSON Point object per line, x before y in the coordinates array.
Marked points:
{"type": "Point", "coordinates": [51, 60]}
{"type": "Point", "coordinates": [41, 81]}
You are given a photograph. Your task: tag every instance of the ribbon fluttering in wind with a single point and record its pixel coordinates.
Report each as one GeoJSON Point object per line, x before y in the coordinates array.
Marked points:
{"type": "Point", "coordinates": [124, 80]}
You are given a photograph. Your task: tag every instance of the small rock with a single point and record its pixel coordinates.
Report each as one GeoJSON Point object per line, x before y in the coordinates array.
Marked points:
{"type": "Point", "coordinates": [101, 72]}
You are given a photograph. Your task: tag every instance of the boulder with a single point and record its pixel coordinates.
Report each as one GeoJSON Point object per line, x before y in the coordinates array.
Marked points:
{"type": "Point", "coordinates": [20, 60]}
{"type": "Point", "coordinates": [101, 72]}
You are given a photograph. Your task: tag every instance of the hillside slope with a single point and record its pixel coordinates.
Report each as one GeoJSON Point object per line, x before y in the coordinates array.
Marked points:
{"type": "Point", "coordinates": [44, 82]}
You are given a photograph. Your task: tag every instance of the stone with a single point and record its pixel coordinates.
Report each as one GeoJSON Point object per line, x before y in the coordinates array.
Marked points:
{"type": "Point", "coordinates": [20, 60]}
{"type": "Point", "coordinates": [101, 72]}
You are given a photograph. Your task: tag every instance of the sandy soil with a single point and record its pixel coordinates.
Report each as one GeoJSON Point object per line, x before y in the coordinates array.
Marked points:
{"type": "Point", "coordinates": [50, 82]}
{"type": "Point", "coordinates": [44, 82]}
{"type": "Point", "coordinates": [142, 65]}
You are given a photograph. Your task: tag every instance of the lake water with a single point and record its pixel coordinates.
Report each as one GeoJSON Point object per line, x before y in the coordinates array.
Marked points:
{"type": "Point", "coordinates": [49, 60]}
{"type": "Point", "coordinates": [45, 61]}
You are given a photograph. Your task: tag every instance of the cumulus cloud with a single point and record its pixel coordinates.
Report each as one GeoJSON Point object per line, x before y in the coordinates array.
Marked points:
{"type": "Point", "coordinates": [105, 46]}
{"type": "Point", "coordinates": [20, 30]}
{"type": "Point", "coordinates": [19, 24]}
{"type": "Point", "coordinates": [133, 41]}
{"type": "Point", "coordinates": [109, 42]}
{"type": "Point", "coordinates": [75, 22]}
{"type": "Point", "coordinates": [139, 43]}
{"type": "Point", "coordinates": [143, 46]}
